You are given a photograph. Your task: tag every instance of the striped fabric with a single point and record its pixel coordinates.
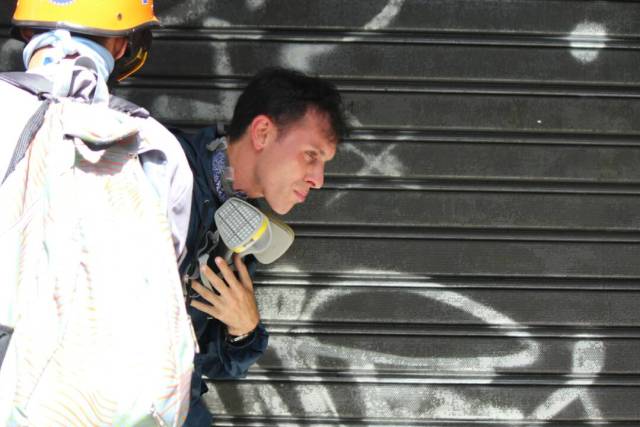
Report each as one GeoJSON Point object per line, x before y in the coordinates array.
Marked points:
{"type": "Point", "coordinates": [89, 280]}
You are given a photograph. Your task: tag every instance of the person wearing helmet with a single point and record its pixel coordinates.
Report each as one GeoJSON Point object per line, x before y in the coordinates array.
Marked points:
{"type": "Point", "coordinates": [116, 36]}
{"type": "Point", "coordinates": [76, 47]}
{"type": "Point", "coordinates": [114, 23]}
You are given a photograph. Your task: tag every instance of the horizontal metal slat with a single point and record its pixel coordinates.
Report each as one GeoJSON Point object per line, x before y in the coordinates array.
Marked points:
{"type": "Point", "coordinates": [493, 16]}
{"type": "Point", "coordinates": [462, 184]}
{"type": "Point", "coordinates": [419, 111]}
{"type": "Point", "coordinates": [228, 80]}
{"type": "Point", "coordinates": [454, 233]}
{"type": "Point", "coordinates": [497, 137]}
{"type": "Point", "coordinates": [262, 421]}
{"type": "Point", "coordinates": [479, 16]}
{"type": "Point", "coordinates": [451, 282]}
{"type": "Point", "coordinates": [476, 211]}
{"type": "Point", "coordinates": [414, 378]}
{"type": "Point", "coordinates": [437, 402]}
{"type": "Point", "coordinates": [481, 161]}
{"type": "Point", "coordinates": [602, 360]}
{"type": "Point", "coordinates": [486, 330]}
{"type": "Point", "coordinates": [455, 67]}
{"type": "Point", "coordinates": [448, 257]}
{"type": "Point", "coordinates": [397, 308]}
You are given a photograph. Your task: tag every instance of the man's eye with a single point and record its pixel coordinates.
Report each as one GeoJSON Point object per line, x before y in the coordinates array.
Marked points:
{"type": "Point", "coordinates": [310, 156]}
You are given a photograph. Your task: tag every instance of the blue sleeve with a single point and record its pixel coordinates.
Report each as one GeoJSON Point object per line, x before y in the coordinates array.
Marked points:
{"type": "Point", "coordinates": [219, 359]}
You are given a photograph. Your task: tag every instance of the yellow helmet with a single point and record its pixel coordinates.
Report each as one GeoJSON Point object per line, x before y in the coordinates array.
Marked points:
{"type": "Point", "coordinates": [106, 18]}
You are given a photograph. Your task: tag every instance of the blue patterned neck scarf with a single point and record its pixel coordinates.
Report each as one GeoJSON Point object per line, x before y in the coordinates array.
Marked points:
{"type": "Point", "coordinates": [222, 172]}
{"type": "Point", "coordinates": [88, 81]}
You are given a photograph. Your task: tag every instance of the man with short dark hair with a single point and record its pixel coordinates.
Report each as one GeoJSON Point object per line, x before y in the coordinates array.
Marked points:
{"type": "Point", "coordinates": [285, 128]}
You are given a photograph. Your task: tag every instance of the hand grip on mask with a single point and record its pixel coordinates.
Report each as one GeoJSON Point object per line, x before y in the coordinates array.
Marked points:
{"type": "Point", "coordinates": [245, 230]}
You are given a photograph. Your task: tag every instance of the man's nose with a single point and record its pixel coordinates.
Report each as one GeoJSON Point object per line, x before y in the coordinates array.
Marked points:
{"type": "Point", "coordinates": [315, 177]}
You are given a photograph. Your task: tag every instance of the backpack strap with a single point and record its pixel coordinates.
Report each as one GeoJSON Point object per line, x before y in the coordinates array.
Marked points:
{"type": "Point", "coordinates": [33, 83]}
{"type": "Point", "coordinates": [5, 337]}
{"type": "Point", "coordinates": [28, 132]}
{"type": "Point", "coordinates": [41, 87]}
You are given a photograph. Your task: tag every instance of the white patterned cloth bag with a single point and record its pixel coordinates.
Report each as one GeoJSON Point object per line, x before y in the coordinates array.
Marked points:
{"type": "Point", "coordinates": [89, 282]}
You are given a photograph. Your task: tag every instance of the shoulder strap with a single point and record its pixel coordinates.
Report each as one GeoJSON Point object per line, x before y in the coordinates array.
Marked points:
{"type": "Point", "coordinates": [32, 83]}
{"type": "Point", "coordinates": [40, 86]}
{"type": "Point", "coordinates": [28, 132]}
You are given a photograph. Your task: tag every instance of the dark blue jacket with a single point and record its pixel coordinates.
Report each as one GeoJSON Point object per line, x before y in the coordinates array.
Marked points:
{"type": "Point", "coordinates": [217, 359]}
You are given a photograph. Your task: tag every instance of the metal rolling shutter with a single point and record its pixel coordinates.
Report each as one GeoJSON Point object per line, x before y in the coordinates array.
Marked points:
{"type": "Point", "coordinates": [472, 258]}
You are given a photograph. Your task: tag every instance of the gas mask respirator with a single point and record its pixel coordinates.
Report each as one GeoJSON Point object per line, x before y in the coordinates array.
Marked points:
{"type": "Point", "coordinates": [246, 230]}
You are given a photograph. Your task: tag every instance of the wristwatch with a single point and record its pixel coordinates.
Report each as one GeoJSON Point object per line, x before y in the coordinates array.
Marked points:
{"type": "Point", "coordinates": [237, 339]}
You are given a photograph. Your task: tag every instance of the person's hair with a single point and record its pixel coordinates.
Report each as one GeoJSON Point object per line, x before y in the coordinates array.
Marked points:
{"type": "Point", "coordinates": [285, 96]}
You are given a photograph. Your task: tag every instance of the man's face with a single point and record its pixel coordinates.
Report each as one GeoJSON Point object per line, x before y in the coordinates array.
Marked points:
{"type": "Point", "coordinates": [292, 163]}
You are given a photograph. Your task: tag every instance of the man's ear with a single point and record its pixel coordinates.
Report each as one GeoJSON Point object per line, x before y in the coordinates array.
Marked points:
{"type": "Point", "coordinates": [262, 130]}
{"type": "Point", "coordinates": [120, 47]}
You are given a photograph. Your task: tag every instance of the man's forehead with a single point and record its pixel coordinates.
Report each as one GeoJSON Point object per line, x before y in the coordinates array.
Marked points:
{"type": "Point", "coordinates": [322, 123]}
{"type": "Point", "coordinates": [315, 128]}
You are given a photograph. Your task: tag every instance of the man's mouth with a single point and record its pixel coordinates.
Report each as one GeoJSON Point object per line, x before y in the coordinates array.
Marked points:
{"type": "Point", "coordinates": [300, 196]}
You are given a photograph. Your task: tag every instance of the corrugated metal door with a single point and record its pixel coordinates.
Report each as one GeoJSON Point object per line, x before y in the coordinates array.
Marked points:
{"type": "Point", "coordinates": [473, 255]}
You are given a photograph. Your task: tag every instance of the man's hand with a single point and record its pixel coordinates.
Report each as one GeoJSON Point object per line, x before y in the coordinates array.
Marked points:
{"type": "Point", "coordinates": [236, 305]}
